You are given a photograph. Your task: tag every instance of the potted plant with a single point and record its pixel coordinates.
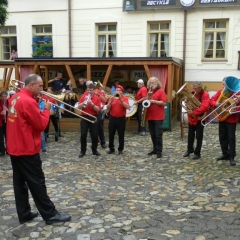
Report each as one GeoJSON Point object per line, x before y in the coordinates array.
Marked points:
{"type": "Point", "coordinates": [35, 38]}
{"type": "Point", "coordinates": [34, 46]}
{"type": "Point", "coordinates": [47, 46]}
{"type": "Point", "coordinates": [35, 55]}
{"type": "Point", "coordinates": [47, 38]}
{"type": "Point", "coordinates": [47, 54]}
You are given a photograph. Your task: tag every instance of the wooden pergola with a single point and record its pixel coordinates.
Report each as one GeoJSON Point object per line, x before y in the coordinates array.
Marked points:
{"type": "Point", "coordinates": [85, 66]}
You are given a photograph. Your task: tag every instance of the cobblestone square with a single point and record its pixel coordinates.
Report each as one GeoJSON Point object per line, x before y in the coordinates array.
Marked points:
{"type": "Point", "coordinates": [132, 196]}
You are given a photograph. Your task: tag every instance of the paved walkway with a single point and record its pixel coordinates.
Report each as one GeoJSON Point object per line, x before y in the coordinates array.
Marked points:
{"type": "Point", "coordinates": [132, 196]}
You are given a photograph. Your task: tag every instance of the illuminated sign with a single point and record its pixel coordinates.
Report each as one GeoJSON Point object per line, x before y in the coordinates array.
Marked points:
{"type": "Point", "coordinates": [216, 1]}
{"type": "Point", "coordinates": [158, 3]}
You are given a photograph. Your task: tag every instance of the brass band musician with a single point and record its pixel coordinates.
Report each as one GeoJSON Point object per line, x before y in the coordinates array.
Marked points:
{"type": "Point", "coordinates": [194, 124]}
{"type": "Point", "coordinates": [117, 104]}
{"type": "Point", "coordinates": [90, 104]}
{"type": "Point", "coordinates": [226, 130]}
{"type": "Point", "coordinates": [155, 115]}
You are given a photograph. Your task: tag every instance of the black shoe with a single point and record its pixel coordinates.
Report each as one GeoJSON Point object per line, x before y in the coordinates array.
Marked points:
{"type": "Point", "coordinates": [31, 216]}
{"type": "Point", "coordinates": [58, 218]}
{"type": "Point", "coordinates": [159, 155]}
{"type": "Point", "coordinates": [56, 137]}
{"type": "Point", "coordinates": [96, 153]}
{"type": "Point", "coordinates": [81, 154]}
{"type": "Point", "coordinates": [195, 157]}
{"type": "Point", "coordinates": [151, 153]}
{"type": "Point", "coordinates": [60, 135]}
{"type": "Point", "coordinates": [120, 152]}
{"type": "Point", "coordinates": [223, 157]}
{"type": "Point", "coordinates": [44, 150]}
{"type": "Point", "coordinates": [103, 145]}
{"type": "Point", "coordinates": [187, 153]}
{"type": "Point", "coordinates": [110, 151]}
{"type": "Point", "coordinates": [232, 162]}
{"type": "Point", "coordinates": [136, 132]}
{"type": "Point", "coordinates": [2, 153]}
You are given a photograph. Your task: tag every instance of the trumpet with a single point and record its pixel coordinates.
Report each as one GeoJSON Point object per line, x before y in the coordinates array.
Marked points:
{"type": "Point", "coordinates": [86, 100]}
{"type": "Point", "coordinates": [16, 83]}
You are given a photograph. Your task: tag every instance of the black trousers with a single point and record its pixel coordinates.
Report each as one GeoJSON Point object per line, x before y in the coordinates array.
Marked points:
{"type": "Point", "coordinates": [55, 122]}
{"type": "Point", "coordinates": [227, 138]}
{"type": "Point", "coordinates": [101, 129]}
{"type": "Point", "coordinates": [139, 118]}
{"type": "Point", "coordinates": [28, 174]}
{"type": "Point", "coordinates": [156, 132]}
{"type": "Point", "coordinates": [119, 125]}
{"type": "Point", "coordinates": [93, 129]}
{"type": "Point", "coordinates": [192, 130]}
{"type": "Point", "coordinates": [3, 138]}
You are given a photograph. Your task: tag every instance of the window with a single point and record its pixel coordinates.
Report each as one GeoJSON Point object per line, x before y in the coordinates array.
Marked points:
{"type": "Point", "coordinates": [159, 37]}
{"type": "Point", "coordinates": [9, 41]}
{"type": "Point", "coordinates": [42, 41]}
{"type": "Point", "coordinates": [214, 39]}
{"type": "Point", "coordinates": [107, 40]}
{"type": "Point", "coordinates": [42, 31]}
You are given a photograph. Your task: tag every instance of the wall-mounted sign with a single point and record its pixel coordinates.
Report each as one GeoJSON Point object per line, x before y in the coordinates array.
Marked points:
{"type": "Point", "coordinates": [136, 75]}
{"type": "Point", "coordinates": [98, 75]}
{"type": "Point", "coordinates": [187, 3]}
{"type": "Point", "coordinates": [121, 76]}
{"type": "Point", "coordinates": [129, 5]}
{"type": "Point", "coordinates": [216, 1]}
{"type": "Point", "coordinates": [158, 3]}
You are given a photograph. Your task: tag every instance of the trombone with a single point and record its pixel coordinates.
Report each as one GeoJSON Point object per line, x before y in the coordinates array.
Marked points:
{"type": "Point", "coordinates": [16, 83]}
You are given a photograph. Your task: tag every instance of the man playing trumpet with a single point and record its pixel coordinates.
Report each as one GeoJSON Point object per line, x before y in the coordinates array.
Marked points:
{"type": "Point", "coordinates": [90, 104]}
{"type": "Point", "coordinates": [194, 123]}
{"type": "Point", "coordinates": [117, 104]}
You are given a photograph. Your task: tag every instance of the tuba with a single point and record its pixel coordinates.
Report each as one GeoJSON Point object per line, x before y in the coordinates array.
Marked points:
{"type": "Point", "coordinates": [191, 102]}
{"type": "Point", "coordinates": [226, 99]}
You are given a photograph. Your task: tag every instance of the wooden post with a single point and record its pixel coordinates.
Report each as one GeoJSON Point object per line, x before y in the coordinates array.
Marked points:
{"type": "Point", "coordinates": [70, 74]}
{"type": "Point", "coordinates": [106, 78]}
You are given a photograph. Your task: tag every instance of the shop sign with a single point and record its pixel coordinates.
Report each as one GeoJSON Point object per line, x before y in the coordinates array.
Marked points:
{"type": "Point", "coordinates": [136, 75]}
{"type": "Point", "coordinates": [121, 76]}
{"type": "Point", "coordinates": [158, 3]}
{"type": "Point", "coordinates": [216, 1]}
{"type": "Point", "coordinates": [98, 75]}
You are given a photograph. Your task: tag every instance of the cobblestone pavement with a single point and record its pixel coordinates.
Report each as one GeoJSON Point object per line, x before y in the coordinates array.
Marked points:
{"type": "Point", "coordinates": [132, 196]}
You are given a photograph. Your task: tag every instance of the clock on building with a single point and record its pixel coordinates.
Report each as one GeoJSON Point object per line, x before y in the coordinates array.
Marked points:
{"type": "Point", "coordinates": [187, 3]}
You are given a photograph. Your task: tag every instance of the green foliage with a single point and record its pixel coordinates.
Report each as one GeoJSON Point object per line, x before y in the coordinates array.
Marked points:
{"type": "Point", "coordinates": [3, 12]}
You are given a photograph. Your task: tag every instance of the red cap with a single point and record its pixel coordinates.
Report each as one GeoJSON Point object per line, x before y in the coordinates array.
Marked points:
{"type": "Point", "coordinates": [120, 87]}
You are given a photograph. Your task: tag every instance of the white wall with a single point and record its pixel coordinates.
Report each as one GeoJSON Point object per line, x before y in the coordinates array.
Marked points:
{"type": "Point", "coordinates": [132, 36]}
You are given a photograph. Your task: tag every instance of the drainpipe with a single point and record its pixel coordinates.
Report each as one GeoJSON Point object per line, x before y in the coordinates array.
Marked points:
{"type": "Point", "coordinates": [184, 43]}
{"type": "Point", "coordinates": [69, 29]}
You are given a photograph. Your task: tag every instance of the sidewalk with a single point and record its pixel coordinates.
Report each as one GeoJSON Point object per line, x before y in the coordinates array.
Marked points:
{"type": "Point", "coordinates": [132, 196]}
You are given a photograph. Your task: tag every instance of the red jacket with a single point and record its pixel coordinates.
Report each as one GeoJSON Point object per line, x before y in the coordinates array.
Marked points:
{"type": "Point", "coordinates": [233, 118]}
{"type": "Point", "coordinates": [25, 122]}
{"type": "Point", "coordinates": [205, 100]}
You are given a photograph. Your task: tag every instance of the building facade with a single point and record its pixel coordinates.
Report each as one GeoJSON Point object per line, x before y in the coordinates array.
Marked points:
{"type": "Point", "coordinates": [203, 33]}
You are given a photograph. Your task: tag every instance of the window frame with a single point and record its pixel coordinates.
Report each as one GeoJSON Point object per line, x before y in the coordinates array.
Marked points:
{"type": "Point", "coordinates": [107, 33]}
{"type": "Point", "coordinates": [215, 30]}
{"type": "Point", "coordinates": [159, 33]}
{"type": "Point", "coordinates": [8, 35]}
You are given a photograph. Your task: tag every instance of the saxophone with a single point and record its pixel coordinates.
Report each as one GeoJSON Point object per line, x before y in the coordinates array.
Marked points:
{"type": "Point", "coordinates": [146, 104]}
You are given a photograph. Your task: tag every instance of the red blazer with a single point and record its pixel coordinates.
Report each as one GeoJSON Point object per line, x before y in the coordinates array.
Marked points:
{"type": "Point", "coordinates": [205, 101]}
{"type": "Point", "coordinates": [233, 118]}
{"type": "Point", "coordinates": [25, 122]}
